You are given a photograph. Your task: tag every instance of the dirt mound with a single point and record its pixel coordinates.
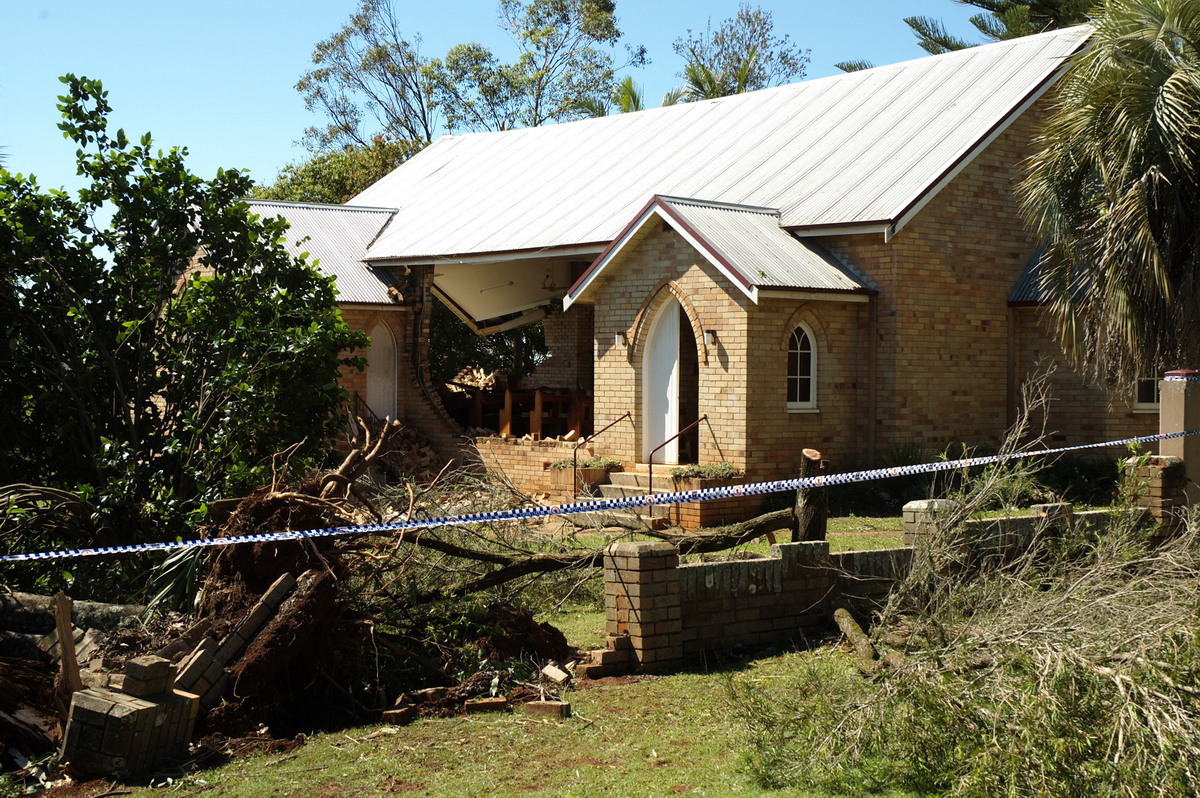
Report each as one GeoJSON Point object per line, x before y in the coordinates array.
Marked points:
{"type": "Point", "coordinates": [519, 636]}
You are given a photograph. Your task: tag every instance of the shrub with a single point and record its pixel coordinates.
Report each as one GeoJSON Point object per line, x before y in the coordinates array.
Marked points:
{"type": "Point", "coordinates": [720, 470]}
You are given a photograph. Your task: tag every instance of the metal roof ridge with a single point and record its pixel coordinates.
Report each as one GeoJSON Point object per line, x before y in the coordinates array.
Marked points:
{"type": "Point", "coordinates": [320, 206]}
{"type": "Point", "coordinates": [718, 204]}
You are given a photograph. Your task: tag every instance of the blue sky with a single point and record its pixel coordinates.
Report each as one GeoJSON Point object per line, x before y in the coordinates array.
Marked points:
{"type": "Point", "coordinates": [218, 76]}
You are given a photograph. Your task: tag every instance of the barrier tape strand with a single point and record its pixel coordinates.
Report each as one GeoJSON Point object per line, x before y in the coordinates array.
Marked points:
{"type": "Point", "coordinates": [592, 506]}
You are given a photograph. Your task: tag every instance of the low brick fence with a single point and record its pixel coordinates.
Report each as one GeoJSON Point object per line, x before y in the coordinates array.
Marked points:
{"type": "Point", "coordinates": [671, 611]}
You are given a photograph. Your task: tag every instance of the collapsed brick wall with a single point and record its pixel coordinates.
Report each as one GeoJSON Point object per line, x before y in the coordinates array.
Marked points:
{"type": "Point", "coordinates": [527, 463]}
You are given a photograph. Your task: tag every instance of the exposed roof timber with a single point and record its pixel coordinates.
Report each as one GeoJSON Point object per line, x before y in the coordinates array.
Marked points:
{"type": "Point", "coordinates": [523, 316]}
{"type": "Point", "coordinates": [528, 317]}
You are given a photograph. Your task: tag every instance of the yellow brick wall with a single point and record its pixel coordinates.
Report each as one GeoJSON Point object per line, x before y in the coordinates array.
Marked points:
{"type": "Point", "coordinates": [416, 407]}
{"type": "Point", "coordinates": [1079, 412]}
{"type": "Point", "coordinates": [626, 301]}
{"type": "Point", "coordinates": [950, 354]}
{"type": "Point", "coordinates": [836, 430]}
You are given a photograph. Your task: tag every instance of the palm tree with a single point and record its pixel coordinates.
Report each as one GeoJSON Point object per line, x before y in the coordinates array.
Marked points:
{"type": "Point", "coordinates": [703, 82]}
{"type": "Point", "coordinates": [1001, 19]}
{"type": "Point", "coordinates": [628, 97]}
{"type": "Point", "coordinates": [1115, 191]}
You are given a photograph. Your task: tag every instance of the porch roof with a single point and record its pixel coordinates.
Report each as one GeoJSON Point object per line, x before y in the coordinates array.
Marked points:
{"type": "Point", "coordinates": [336, 236]}
{"type": "Point", "coordinates": [744, 243]}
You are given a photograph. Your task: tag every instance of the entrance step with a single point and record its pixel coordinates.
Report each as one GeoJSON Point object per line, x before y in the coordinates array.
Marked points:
{"type": "Point", "coordinates": [638, 481]}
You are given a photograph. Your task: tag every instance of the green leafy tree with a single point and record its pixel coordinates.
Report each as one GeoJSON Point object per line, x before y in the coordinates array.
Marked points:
{"type": "Point", "coordinates": [369, 70]}
{"type": "Point", "coordinates": [1000, 20]}
{"type": "Point", "coordinates": [159, 361]}
{"type": "Point", "coordinates": [337, 175]}
{"type": "Point", "coordinates": [742, 54]}
{"type": "Point", "coordinates": [453, 346]}
{"type": "Point", "coordinates": [702, 82]}
{"type": "Point", "coordinates": [626, 98]}
{"type": "Point", "coordinates": [564, 63]}
{"type": "Point", "coordinates": [1113, 188]}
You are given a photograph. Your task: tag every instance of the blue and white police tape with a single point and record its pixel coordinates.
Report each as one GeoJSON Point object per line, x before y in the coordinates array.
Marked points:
{"type": "Point", "coordinates": [597, 505]}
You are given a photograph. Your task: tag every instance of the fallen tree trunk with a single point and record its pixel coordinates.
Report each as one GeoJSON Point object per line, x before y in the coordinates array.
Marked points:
{"type": "Point", "coordinates": [863, 649]}
{"type": "Point", "coordinates": [514, 567]}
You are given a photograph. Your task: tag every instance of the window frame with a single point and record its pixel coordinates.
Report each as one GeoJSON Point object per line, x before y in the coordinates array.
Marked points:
{"type": "Point", "coordinates": [1140, 406]}
{"type": "Point", "coordinates": [808, 405]}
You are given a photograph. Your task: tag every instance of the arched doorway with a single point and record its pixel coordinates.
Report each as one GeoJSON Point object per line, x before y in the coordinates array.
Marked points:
{"type": "Point", "coordinates": [381, 372]}
{"type": "Point", "coordinates": [670, 386]}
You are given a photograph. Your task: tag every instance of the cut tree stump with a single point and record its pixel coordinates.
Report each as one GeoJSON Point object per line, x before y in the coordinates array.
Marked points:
{"type": "Point", "coordinates": [812, 504]}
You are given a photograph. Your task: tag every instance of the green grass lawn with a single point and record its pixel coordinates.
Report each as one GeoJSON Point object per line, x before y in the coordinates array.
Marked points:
{"type": "Point", "coordinates": [629, 736]}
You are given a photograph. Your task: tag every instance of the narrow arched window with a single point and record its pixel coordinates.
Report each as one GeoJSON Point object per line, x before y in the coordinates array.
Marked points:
{"type": "Point", "coordinates": [802, 371]}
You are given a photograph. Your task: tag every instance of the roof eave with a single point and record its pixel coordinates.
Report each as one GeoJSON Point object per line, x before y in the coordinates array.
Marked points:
{"type": "Point", "coordinates": [659, 206]}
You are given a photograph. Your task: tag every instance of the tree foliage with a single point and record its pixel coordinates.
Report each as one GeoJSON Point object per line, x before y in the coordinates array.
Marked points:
{"type": "Point", "coordinates": [371, 68]}
{"type": "Point", "coordinates": [1000, 20]}
{"type": "Point", "coordinates": [742, 54]}
{"type": "Point", "coordinates": [337, 175]}
{"type": "Point", "coordinates": [454, 346]}
{"type": "Point", "coordinates": [1113, 188]}
{"type": "Point", "coordinates": [158, 361]}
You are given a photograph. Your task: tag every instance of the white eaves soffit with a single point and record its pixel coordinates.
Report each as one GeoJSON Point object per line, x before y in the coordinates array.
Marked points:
{"type": "Point", "coordinates": [744, 243]}
{"type": "Point", "coordinates": [487, 293]}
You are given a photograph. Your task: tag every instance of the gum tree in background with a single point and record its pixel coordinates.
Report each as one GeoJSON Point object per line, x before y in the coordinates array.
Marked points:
{"type": "Point", "coordinates": [136, 389]}
{"type": "Point", "coordinates": [371, 77]}
{"type": "Point", "coordinates": [742, 54]}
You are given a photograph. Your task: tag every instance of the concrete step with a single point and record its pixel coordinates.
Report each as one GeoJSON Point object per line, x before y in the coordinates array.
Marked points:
{"type": "Point", "coordinates": [640, 480]}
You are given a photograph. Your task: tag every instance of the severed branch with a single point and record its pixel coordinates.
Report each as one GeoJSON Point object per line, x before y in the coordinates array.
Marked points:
{"type": "Point", "coordinates": [337, 483]}
{"type": "Point", "coordinates": [514, 567]}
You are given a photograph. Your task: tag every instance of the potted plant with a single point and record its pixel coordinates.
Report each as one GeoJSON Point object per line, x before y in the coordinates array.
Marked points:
{"type": "Point", "coordinates": [709, 475]}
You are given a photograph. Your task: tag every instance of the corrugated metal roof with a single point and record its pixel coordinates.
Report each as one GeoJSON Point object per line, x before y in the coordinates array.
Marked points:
{"type": "Point", "coordinates": [338, 237]}
{"type": "Point", "coordinates": [1028, 288]}
{"type": "Point", "coordinates": [744, 242]}
{"type": "Point", "coordinates": [1032, 286]}
{"type": "Point", "coordinates": [864, 147]}
{"type": "Point", "coordinates": [750, 241]}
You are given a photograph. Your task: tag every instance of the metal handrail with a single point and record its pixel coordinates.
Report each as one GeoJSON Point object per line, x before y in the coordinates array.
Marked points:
{"type": "Point", "coordinates": [584, 442]}
{"type": "Point", "coordinates": [362, 409]}
{"type": "Point", "coordinates": [650, 464]}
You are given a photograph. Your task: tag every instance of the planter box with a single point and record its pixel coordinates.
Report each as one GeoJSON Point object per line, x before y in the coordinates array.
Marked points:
{"type": "Point", "coordinates": [694, 515]}
{"type": "Point", "coordinates": [560, 479]}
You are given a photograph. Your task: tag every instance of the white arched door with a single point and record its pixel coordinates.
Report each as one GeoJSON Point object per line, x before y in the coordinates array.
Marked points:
{"type": "Point", "coordinates": [660, 384]}
{"type": "Point", "coordinates": [381, 372]}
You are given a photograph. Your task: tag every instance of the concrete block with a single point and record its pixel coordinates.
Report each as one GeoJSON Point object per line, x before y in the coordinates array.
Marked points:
{"type": "Point", "coordinates": [556, 674]}
{"type": "Point", "coordinates": [548, 709]}
{"type": "Point", "coordinates": [231, 648]}
{"type": "Point", "coordinates": [618, 642]}
{"type": "Point", "coordinates": [481, 705]}
{"type": "Point", "coordinates": [399, 716]}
